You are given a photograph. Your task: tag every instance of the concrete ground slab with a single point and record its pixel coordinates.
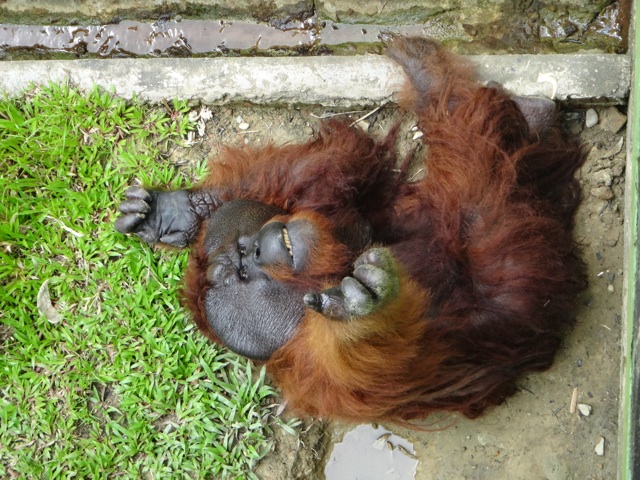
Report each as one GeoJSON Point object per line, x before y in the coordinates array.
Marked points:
{"type": "Point", "coordinates": [330, 81]}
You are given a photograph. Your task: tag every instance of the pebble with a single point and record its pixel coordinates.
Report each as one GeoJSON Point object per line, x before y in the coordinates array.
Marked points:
{"type": "Point", "coordinates": [602, 192]}
{"type": "Point", "coordinates": [591, 118]}
{"type": "Point", "coordinates": [584, 409]}
{"type": "Point", "coordinates": [575, 128]}
{"type": "Point", "coordinates": [611, 238]}
{"type": "Point", "coordinates": [600, 447]}
{"type": "Point", "coordinates": [603, 177]}
{"type": "Point", "coordinates": [602, 206]}
{"type": "Point", "coordinates": [617, 169]}
{"type": "Point", "coordinates": [417, 135]}
{"type": "Point", "coordinates": [611, 288]}
{"type": "Point", "coordinates": [239, 119]}
{"type": "Point", "coordinates": [364, 125]}
{"type": "Point", "coordinates": [614, 150]}
{"type": "Point", "coordinates": [612, 120]}
{"type": "Point", "coordinates": [243, 126]}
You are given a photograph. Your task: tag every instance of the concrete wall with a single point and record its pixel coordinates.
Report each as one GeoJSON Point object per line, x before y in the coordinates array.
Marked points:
{"type": "Point", "coordinates": [480, 25]}
{"type": "Point", "coordinates": [367, 11]}
{"type": "Point", "coordinates": [100, 11]}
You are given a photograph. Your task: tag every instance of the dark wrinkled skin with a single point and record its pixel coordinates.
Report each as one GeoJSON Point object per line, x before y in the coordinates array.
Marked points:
{"type": "Point", "coordinates": [251, 313]}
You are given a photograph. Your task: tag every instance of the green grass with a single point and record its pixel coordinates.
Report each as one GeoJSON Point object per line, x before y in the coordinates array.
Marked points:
{"type": "Point", "coordinates": [122, 386]}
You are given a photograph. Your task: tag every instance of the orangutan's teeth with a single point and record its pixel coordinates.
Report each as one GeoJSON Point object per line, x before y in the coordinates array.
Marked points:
{"type": "Point", "coordinates": [287, 242]}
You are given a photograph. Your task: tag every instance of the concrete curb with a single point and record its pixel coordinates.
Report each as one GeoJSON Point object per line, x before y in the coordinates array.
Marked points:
{"type": "Point", "coordinates": [330, 81]}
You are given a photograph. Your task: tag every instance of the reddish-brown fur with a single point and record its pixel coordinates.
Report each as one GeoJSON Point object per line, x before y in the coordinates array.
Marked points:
{"type": "Point", "coordinates": [487, 265]}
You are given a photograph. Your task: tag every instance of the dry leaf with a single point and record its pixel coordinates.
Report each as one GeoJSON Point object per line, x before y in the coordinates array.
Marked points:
{"type": "Point", "coordinates": [45, 306]}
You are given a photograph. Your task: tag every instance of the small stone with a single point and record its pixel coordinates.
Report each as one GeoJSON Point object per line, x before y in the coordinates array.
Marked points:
{"type": "Point", "coordinates": [575, 128]}
{"type": "Point", "coordinates": [617, 169]}
{"type": "Point", "coordinates": [417, 135]}
{"type": "Point", "coordinates": [239, 119]}
{"type": "Point", "coordinates": [618, 190]}
{"type": "Point", "coordinates": [603, 193]}
{"type": "Point", "coordinates": [602, 207]}
{"type": "Point", "coordinates": [243, 126]}
{"type": "Point", "coordinates": [611, 288]}
{"type": "Point", "coordinates": [603, 177]}
{"type": "Point", "coordinates": [600, 447]}
{"type": "Point", "coordinates": [584, 409]}
{"type": "Point", "coordinates": [614, 150]}
{"type": "Point", "coordinates": [573, 121]}
{"type": "Point", "coordinates": [364, 125]}
{"type": "Point", "coordinates": [611, 240]}
{"type": "Point", "coordinates": [591, 118]}
{"type": "Point", "coordinates": [471, 30]}
{"type": "Point", "coordinates": [308, 130]}
{"type": "Point", "coordinates": [612, 120]}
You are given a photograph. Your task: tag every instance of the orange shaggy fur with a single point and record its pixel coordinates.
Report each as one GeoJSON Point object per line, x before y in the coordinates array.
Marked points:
{"type": "Point", "coordinates": [483, 247]}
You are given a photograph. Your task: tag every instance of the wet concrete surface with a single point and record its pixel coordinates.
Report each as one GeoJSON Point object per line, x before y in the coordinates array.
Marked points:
{"type": "Point", "coordinates": [171, 35]}
{"type": "Point", "coordinates": [135, 39]}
